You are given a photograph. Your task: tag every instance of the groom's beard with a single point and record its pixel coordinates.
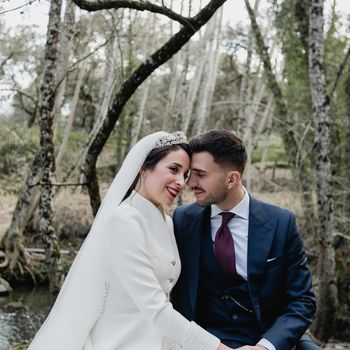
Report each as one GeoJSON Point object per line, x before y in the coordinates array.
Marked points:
{"type": "Point", "coordinates": [214, 196]}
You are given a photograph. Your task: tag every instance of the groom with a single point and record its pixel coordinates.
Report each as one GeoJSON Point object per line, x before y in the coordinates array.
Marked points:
{"type": "Point", "coordinates": [245, 277]}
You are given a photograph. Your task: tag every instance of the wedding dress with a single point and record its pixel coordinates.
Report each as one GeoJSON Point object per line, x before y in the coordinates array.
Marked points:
{"type": "Point", "coordinates": [116, 294]}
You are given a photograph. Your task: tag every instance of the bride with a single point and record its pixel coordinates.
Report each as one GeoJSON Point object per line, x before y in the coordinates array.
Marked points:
{"type": "Point", "coordinates": [116, 294]}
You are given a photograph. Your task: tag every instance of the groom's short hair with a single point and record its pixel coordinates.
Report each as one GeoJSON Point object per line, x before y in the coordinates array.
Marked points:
{"type": "Point", "coordinates": [226, 148]}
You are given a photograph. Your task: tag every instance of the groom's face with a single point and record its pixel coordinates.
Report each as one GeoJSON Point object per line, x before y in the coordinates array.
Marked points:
{"type": "Point", "coordinates": [207, 180]}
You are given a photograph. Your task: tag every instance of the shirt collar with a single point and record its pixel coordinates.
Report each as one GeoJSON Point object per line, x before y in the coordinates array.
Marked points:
{"type": "Point", "coordinates": [241, 209]}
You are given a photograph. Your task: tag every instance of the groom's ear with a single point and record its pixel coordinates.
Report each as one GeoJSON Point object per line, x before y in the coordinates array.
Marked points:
{"type": "Point", "coordinates": [233, 178]}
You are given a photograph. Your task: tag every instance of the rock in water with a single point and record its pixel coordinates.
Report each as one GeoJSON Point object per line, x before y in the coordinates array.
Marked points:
{"type": "Point", "coordinates": [5, 287]}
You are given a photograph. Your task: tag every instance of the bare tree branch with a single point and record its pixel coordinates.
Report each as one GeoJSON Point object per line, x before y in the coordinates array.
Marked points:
{"type": "Point", "coordinates": [30, 112]}
{"type": "Point", "coordinates": [145, 69]}
{"type": "Point", "coordinates": [339, 234]}
{"type": "Point", "coordinates": [76, 63]}
{"type": "Point", "coordinates": [21, 92]}
{"type": "Point", "coordinates": [339, 72]}
{"type": "Point", "coordinates": [2, 64]}
{"type": "Point", "coordinates": [132, 4]}
{"type": "Point", "coordinates": [60, 184]}
{"type": "Point", "coordinates": [18, 7]}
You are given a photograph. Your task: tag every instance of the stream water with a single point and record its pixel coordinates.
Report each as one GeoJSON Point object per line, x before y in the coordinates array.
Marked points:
{"type": "Point", "coordinates": [21, 314]}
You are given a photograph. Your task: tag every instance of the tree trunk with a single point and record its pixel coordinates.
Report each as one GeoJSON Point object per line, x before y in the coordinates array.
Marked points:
{"type": "Point", "coordinates": [29, 196]}
{"type": "Point", "coordinates": [281, 110]}
{"type": "Point", "coordinates": [251, 138]}
{"type": "Point", "coordinates": [347, 154]}
{"type": "Point", "coordinates": [109, 83]}
{"type": "Point", "coordinates": [216, 62]}
{"type": "Point", "coordinates": [105, 95]}
{"type": "Point", "coordinates": [271, 82]}
{"type": "Point", "coordinates": [206, 90]}
{"type": "Point", "coordinates": [173, 45]}
{"type": "Point", "coordinates": [12, 241]}
{"type": "Point", "coordinates": [140, 116]}
{"type": "Point", "coordinates": [46, 119]}
{"type": "Point", "coordinates": [70, 119]}
{"type": "Point", "coordinates": [251, 114]}
{"type": "Point", "coordinates": [66, 39]}
{"type": "Point", "coordinates": [170, 113]}
{"type": "Point", "coordinates": [326, 264]}
{"type": "Point", "coordinates": [194, 87]}
{"type": "Point", "coordinates": [79, 81]}
{"type": "Point", "coordinates": [265, 151]}
{"type": "Point", "coordinates": [244, 86]}
{"type": "Point", "coordinates": [168, 121]}
{"type": "Point", "coordinates": [183, 91]}
{"type": "Point", "coordinates": [138, 119]}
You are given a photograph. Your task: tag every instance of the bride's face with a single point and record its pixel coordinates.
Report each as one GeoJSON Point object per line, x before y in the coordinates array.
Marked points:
{"type": "Point", "coordinates": [162, 184]}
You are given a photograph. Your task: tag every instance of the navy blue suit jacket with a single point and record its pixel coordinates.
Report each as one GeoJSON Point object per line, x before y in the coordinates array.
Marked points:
{"type": "Point", "coordinates": [278, 274]}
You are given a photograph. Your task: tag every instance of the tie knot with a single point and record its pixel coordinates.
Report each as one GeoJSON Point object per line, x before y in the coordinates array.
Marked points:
{"type": "Point", "coordinates": [226, 217]}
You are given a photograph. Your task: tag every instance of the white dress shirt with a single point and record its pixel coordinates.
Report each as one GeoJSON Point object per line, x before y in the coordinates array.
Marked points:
{"type": "Point", "coordinates": [238, 227]}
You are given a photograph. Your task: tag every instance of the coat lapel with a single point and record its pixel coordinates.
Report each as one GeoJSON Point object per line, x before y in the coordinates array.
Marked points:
{"type": "Point", "coordinates": [197, 224]}
{"type": "Point", "coordinates": [260, 236]}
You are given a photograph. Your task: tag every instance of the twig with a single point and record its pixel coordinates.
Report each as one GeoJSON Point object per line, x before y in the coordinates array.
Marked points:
{"type": "Point", "coordinates": [339, 234]}
{"type": "Point", "coordinates": [18, 7]}
{"type": "Point", "coordinates": [2, 64]}
{"type": "Point", "coordinates": [136, 5]}
{"type": "Point", "coordinates": [31, 274]}
{"type": "Point", "coordinates": [57, 184]}
{"type": "Point", "coordinates": [72, 67]}
{"type": "Point", "coordinates": [339, 73]}
{"type": "Point", "coordinates": [43, 251]}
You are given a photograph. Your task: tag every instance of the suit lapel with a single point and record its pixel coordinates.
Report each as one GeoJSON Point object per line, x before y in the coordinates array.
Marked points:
{"type": "Point", "coordinates": [260, 236]}
{"type": "Point", "coordinates": [198, 223]}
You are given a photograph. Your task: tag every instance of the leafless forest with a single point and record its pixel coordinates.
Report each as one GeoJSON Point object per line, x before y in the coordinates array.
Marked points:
{"type": "Point", "coordinates": [76, 97]}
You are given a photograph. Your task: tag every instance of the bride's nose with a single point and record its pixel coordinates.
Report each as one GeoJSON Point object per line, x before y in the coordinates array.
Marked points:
{"type": "Point", "coordinates": [180, 181]}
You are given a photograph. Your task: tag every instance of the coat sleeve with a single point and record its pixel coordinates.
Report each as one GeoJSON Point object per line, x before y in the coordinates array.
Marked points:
{"type": "Point", "coordinates": [299, 299]}
{"type": "Point", "coordinates": [132, 266]}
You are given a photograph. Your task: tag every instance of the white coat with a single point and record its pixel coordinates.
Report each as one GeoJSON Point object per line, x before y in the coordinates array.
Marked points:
{"type": "Point", "coordinates": [117, 297]}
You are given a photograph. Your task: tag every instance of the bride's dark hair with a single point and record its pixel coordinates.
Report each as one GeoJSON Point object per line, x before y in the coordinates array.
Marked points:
{"type": "Point", "coordinates": [154, 157]}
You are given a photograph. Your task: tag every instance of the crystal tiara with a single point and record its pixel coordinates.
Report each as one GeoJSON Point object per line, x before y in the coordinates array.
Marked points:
{"type": "Point", "coordinates": [174, 138]}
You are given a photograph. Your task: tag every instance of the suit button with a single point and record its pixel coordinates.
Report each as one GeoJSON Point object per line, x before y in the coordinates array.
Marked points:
{"type": "Point", "coordinates": [234, 317]}
{"type": "Point", "coordinates": [226, 296]}
{"type": "Point", "coordinates": [173, 262]}
{"type": "Point", "coordinates": [171, 280]}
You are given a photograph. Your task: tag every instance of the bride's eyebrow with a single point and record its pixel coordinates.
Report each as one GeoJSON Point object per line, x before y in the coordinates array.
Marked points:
{"type": "Point", "coordinates": [177, 164]}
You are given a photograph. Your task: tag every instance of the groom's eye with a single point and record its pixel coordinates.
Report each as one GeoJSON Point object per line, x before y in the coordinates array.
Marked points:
{"type": "Point", "coordinates": [200, 174]}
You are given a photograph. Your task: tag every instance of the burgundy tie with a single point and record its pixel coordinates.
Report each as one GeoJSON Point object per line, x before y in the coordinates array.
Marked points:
{"type": "Point", "coordinates": [224, 246]}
